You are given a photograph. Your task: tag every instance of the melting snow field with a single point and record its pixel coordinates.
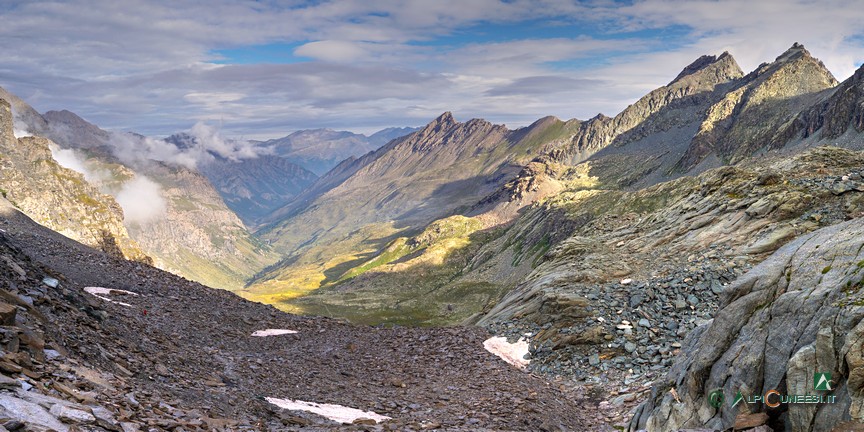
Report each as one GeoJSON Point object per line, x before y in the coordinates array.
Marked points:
{"type": "Point", "coordinates": [273, 332]}
{"type": "Point", "coordinates": [511, 353]}
{"type": "Point", "coordinates": [336, 413]}
{"type": "Point", "coordinates": [100, 292]}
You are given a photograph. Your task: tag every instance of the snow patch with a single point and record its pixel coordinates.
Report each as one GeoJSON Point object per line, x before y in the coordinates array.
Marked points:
{"type": "Point", "coordinates": [21, 133]}
{"type": "Point", "coordinates": [336, 413]}
{"type": "Point", "coordinates": [273, 332]}
{"type": "Point", "coordinates": [511, 353]}
{"type": "Point", "coordinates": [100, 292]}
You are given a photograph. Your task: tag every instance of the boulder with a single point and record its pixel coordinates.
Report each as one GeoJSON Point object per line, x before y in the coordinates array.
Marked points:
{"type": "Point", "coordinates": [797, 314]}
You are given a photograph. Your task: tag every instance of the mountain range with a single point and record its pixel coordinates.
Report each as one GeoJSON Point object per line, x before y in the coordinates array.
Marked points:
{"type": "Point", "coordinates": [705, 238]}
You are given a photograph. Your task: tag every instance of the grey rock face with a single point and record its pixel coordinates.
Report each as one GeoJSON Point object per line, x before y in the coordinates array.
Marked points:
{"type": "Point", "coordinates": [798, 313]}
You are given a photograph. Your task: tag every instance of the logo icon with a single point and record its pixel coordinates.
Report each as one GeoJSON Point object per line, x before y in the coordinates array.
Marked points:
{"type": "Point", "coordinates": [715, 399]}
{"type": "Point", "coordinates": [738, 398]}
{"type": "Point", "coordinates": [822, 381]}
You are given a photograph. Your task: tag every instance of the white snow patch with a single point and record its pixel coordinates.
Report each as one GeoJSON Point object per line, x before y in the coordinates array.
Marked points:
{"type": "Point", "coordinates": [273, 332]}
{"type": "Point", "coordinates": [100, 292]}
{"type": "Point", "coordinates": [20, 133]}
{"type": "Point", "coordinates": [336, 413]}
{"type": "Point", "coordinates": [511, 353]}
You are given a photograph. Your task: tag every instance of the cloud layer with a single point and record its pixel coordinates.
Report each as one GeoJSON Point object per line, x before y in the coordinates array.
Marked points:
{"type": "Point", "coordinates": [263, 69]}
{"type": "Point", "coordinates": [141, 198]}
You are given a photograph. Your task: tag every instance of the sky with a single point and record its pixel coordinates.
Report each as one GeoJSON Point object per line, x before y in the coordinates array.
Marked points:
{"type": "Point", "coordinates": [262, 69]}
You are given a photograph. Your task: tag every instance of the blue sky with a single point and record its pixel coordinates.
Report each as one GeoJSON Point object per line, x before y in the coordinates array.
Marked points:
{"type": "Point", "coordinates": [264, 69]}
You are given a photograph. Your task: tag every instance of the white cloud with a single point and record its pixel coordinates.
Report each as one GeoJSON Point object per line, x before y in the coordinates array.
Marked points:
{"type": "Point", "coordinates": [142, 201]}
{"type": "Point", "coordinates": [334, 51]}
{"type": "Point", "coordinates": [141, 198]}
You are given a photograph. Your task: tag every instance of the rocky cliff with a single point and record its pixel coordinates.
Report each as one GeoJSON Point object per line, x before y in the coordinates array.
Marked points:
{"type": "Point", "coordinates": [696, 83]}
{"type": "Point", "coordinates": [753, 115]}
{"type": "Point", "coordinates": [59, 198]}
{"type": "Point", "coordinates": [796, 314]}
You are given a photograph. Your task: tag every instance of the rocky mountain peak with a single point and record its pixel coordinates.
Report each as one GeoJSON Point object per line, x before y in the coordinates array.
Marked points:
{"type": "Point", "coordinates": [807, 68]}
{"type": "Point", "coordinates": [720, 68]}
{"type": "Point", "coordinates": [443, 121]}
{"type": "Point", "coordinates": [723, 62]}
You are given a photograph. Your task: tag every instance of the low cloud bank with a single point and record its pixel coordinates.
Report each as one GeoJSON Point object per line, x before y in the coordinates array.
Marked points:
{"type": "Point", "coordinates": [141, 198]}
{"type": "Point", "coordinates": [200, 145]}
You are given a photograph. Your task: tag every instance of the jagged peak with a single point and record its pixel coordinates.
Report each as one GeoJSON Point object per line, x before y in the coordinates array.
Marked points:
{"type": "Point", "coordinates": [796, 51]}
{"type": "Point", "coordinates": [600, 117]}
{"type": "Point", "coordinates": [443, 121]}
{"type": "Point", "coordinates": [445, 118]}
{"type": "Point", "coordinates": [796, 54]}
{"type": "Point", "coordinates": [706, 61]}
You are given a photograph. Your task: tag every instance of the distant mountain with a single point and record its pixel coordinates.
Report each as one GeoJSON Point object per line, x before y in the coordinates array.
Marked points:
{"type": "Point", "coordinates": [320, 150]}
{"type": "Point", "coordinates": [173, 212]}
{"type": "Point", "coordinates": [252, 187]}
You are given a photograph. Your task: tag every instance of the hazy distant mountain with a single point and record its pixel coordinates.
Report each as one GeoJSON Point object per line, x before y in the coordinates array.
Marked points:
{"type": "Point", "coordinates": [171, 211]}
{"type": "Point", "coordinates": [319, 150]}
{"type": "Point", "coordinates": [251, 187]}
{"type": "Point", "coordinates": [254, 188]}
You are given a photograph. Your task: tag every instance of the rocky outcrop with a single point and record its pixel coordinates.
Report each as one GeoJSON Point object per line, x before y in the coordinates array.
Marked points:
{"type": "Point", "coordinates": [59, 198]}
{"type": "Point", "coordinates": [796, 314]}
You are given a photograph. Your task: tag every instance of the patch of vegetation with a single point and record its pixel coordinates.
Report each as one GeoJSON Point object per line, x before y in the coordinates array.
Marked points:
{"type": "Point", "coordinates": [826, 269]}
{"type": "Point", "coordinates": [394, 251]}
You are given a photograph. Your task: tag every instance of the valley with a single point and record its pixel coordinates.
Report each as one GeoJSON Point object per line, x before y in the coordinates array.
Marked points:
{"type": "Point", "coordinates": [707, 238]}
